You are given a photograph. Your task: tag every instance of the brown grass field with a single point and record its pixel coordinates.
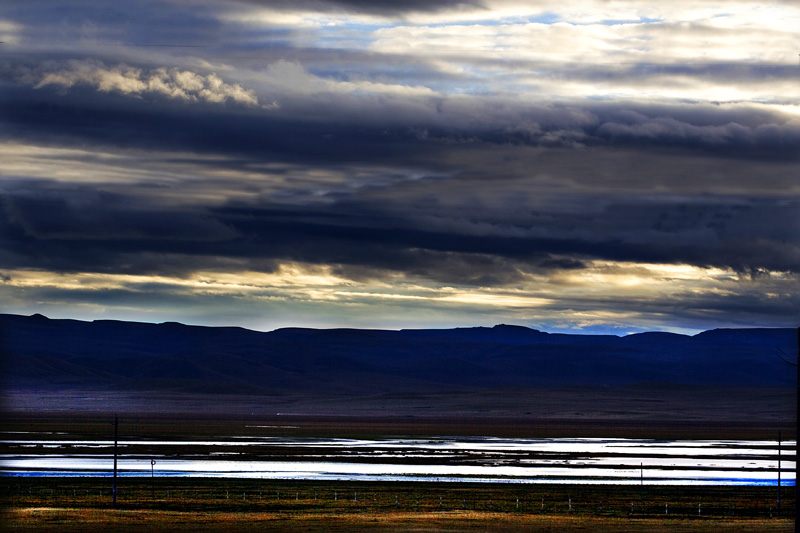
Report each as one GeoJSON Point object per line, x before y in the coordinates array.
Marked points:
{"type": "Point", "coordinates": [205, 504]}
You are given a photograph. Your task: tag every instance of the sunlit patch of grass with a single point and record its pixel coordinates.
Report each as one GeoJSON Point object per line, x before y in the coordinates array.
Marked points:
{"type": "Point", "coordinates": [71, 519]}
{"type": "Point", "coordinates": [78, 504]}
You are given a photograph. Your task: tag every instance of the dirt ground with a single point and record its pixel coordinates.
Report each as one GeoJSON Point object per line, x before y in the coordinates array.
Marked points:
{"type": "Point", "coordinates": [643, 411]}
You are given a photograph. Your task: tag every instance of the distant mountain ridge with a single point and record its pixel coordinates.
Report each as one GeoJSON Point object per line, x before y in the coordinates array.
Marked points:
{"type": "Point", "coordinates": [42, 353]}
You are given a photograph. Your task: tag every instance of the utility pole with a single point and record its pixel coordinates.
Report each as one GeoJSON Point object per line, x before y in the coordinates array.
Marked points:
{"type": "Point", "coordinates": [152, 475]}
{"type": "Point", "coordinates": [116, 434]}
{"type": "Point", "coordinates": [779, 472]}
{"type": "Point", "coordinates": [796, 364]}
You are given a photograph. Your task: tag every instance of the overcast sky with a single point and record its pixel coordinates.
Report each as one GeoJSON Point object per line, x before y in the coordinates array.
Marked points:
{"type": "Point", "coordinates": [585, 166]}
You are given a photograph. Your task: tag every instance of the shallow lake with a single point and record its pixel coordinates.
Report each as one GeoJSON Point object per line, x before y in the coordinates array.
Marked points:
{"type": "Point", "coordinates": [501, 460]}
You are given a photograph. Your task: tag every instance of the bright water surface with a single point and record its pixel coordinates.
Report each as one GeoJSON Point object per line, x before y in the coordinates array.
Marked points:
{"type": "Point", "coordinates": [557, 460]}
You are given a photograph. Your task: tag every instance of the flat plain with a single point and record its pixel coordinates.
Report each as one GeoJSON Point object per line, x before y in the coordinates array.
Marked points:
{"type": "Point", "coordinates": [80, 504]}
{"type": "Point", "coordinates": [207, 504]}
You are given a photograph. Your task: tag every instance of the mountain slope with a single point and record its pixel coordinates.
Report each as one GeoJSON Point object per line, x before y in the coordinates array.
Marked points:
{"type": "Point", "coordinates": [41, 353]}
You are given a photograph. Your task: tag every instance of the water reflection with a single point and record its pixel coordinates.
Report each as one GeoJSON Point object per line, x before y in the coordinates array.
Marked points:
{"type": "Point", "coordinates": [560, 460]}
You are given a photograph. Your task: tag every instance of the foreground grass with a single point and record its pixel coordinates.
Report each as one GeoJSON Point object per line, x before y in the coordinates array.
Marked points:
{"type": "Point", "coordinates": [81, 504]}
{"type": "Point", "coordinates": [67, 520]}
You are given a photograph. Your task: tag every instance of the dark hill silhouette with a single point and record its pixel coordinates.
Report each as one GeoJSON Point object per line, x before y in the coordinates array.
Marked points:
{"type": "Point", "coordinates": [40, 353]}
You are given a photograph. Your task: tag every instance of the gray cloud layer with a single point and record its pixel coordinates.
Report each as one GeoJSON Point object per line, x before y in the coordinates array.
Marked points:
{"type": "Point", "coordinates": [191, 150]}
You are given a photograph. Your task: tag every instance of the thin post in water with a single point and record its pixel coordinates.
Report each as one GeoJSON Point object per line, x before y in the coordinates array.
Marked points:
{"type": "Point", "coordinates": [779, 472]}
{"type": "Point", "coordinates": [114, 489]}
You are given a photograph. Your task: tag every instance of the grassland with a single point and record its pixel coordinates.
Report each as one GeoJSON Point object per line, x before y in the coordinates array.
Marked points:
{"type": "Point", "coordinates": [81, 504]}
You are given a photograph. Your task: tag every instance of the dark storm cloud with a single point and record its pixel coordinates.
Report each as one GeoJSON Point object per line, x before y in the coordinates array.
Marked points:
{"type": "Point", "coordinates": [79, 22]}
{"type": "Point", "coordinates": [732, 139]}
{"type": "Point", "coordinates": [101, 120]}
{"type": "Point", "coordinates": [68, 214]}
{"type": "Point", "coordinates": [83, 229]}
{"type": "Point", "coordinates": [723, 237]}
{"type": "Point", "coordinates": [376, 7]}
{"type": "Point", "coordinates": [326, 126]}
{"type": "Point", "coordinates": [92, 28]}
{"type": "Point", "coordinates": [747, 305]}
{"type": "Point", "coordinates": [355, 138]}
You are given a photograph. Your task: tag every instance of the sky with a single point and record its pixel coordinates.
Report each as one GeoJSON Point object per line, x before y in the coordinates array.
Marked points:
{"type": "Point", "coordinates": [592, 166]}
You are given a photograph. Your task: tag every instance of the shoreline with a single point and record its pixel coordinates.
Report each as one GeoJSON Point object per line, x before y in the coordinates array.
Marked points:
{"type": "Point", "coordinates": [152, 425]}
{"type": "Point", "coordinates": [642, 411]}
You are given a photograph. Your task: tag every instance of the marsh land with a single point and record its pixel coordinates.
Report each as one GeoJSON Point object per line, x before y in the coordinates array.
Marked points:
{"type": "Point", "coordinates": [80, 504]}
